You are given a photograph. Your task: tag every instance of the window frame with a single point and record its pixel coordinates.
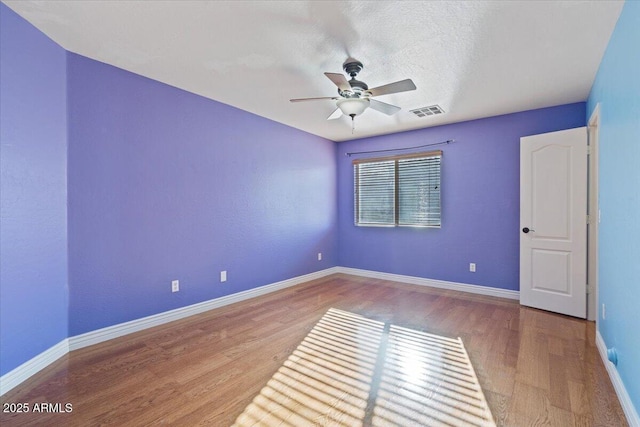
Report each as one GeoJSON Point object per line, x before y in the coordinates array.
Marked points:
{"type": "Point", "coordinates": [396, 188]}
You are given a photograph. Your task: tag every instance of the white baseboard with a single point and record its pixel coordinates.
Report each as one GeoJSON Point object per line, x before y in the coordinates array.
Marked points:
{"type": "Point", "coordinates": [442, 284]}
{"type": "Point", "coordinates": [625, 400]}
{"type": "Point", "coordinates": [16, 376]}
{"type": "Point", "coordinates": [115, 331]}
{"type": "Point", "coordinates": [13, 378]}
{"type": "Point", "coordinates": [44, 359]}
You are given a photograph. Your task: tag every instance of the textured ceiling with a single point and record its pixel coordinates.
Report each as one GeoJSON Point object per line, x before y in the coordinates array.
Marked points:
{"type": "Point", "coordinates": [473, 58]}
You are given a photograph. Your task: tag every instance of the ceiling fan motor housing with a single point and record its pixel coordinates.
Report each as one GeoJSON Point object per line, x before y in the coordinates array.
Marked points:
{"type": "Point", "coordinates": [357, 89]}
{"type": "Point", "coordinates": [358, 84]}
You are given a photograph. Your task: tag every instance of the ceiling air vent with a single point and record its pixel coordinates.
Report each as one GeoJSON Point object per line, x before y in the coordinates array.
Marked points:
{"type": "Point", "coordinates": [431, 110]}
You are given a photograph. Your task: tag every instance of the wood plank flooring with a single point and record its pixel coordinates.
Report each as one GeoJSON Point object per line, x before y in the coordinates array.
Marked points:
{"type": "Point", "coordinates": [535, 368]}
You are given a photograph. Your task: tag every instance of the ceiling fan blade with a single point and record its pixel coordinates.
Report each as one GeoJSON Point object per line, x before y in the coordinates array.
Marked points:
{"type": "Point", "coordinates": [335, 115]}
{"type": "Point", "coordinates": [401, 86]}
{"type": "Point", "coordinates": [383, 107]}
{"type": "Point", "coordinates": [314, 99]}
{"type": "Point", "coordinates": [339, 80]}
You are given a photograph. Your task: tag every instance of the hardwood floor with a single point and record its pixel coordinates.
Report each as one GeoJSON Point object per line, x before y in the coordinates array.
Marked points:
{"type": "Point", "coordinates": [535, 368]}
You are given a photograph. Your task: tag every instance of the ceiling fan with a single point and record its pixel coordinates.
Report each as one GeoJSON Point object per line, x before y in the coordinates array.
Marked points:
{"type": "Point", "coordinates": [355, 96]}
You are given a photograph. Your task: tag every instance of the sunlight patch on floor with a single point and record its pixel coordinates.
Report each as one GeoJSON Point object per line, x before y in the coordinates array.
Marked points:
{"type": "Point", "coordinates": [354, 371]}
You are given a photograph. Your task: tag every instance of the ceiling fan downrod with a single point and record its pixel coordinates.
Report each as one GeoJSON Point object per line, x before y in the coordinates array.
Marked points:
{"type": "Point", "coordinates": [352, 67]}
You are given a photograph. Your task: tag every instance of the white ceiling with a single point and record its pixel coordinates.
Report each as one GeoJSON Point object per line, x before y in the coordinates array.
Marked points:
{"type": "Point", "coordinates": [473, 58]}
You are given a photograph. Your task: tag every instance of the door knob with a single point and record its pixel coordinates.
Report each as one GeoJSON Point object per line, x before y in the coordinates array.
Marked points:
{"type": "Point", "coordinates": [526, 230]}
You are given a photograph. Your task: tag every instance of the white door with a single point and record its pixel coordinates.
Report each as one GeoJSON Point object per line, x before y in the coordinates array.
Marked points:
{"type": "Point", "coordinates": [553, 221]}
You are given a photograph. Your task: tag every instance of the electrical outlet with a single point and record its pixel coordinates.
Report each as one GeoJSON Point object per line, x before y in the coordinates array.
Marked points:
{"type": "Point", "coordinates": [472, 267]}
{"type": "Point", "coordinates": [223, 276]}
{"type": "Point", "coordinates": [319, 256]}
{"type": "Point", "coordinates": [604, 313]}
{"type": "Point", "coordinates": [175, 285]}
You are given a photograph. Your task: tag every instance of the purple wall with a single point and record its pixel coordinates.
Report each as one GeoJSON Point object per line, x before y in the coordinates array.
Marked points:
{"type": "Point", "coordinates": [33, 192]}
{"type": "Point", "coordinates": [164, 185]}
{"type": "Point", "coordinates": [480, 201]}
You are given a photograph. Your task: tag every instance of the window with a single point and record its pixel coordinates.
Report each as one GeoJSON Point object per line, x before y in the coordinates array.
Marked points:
{"type": "Point", "coordinates": [398, 191]}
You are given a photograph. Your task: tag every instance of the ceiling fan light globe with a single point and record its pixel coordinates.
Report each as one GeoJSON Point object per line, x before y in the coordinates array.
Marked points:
{"type": "Point", "coordinates": [352, 106]}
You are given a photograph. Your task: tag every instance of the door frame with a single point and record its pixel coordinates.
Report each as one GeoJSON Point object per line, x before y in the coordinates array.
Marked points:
{"type": "Point", "coordinates": [593, 209]}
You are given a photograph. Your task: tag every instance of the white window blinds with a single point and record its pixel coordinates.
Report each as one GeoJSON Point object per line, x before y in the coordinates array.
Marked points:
{"type": "Point", "coordinates": [398, 191]}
